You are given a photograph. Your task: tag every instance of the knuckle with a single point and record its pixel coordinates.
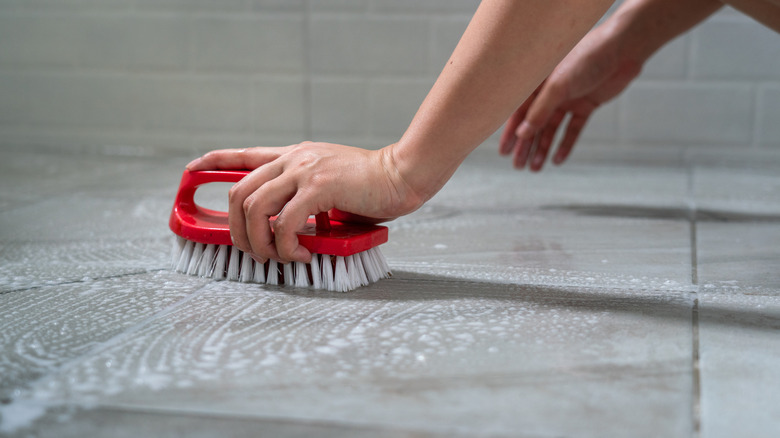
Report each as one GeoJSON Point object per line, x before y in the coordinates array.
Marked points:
{"type": "Point", "coordinates": [318, 180]}
{"type": "Point", "coordinates": [236, 197]}
{"type": "Point", "coordinates": [247, 205]}
{"type": "Point", "coordinates": [281, 226]}
{"type": "Point", "coordinates": [234, 193]}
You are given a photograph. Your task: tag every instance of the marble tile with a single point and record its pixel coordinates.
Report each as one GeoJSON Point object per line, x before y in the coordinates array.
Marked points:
{"type": "Point", "coordinates": [551, 304]}
{"type": "Point", "coordinates": [740, 367]}
{"type": "Point", "coordinates": [600, 180]}
{"type": "Point", "coordinates": [739, 257]}
{"type": "Point", "coordinates": [129, 423]}
{"type": "Point", "coordinates": [578, 247]}
{"type": "Point", "coordinates": [737, 191]}
{"type": "Point", "coordinates": [412, 353]}
{"type": "Point", "coordinates": [43, 328]}
{"type": "Point", "coordinates": [24, 266]}
{"type": "Point", "coordinates": [626, 227]}
{"type": "Point", "coordinates": [737, 198]}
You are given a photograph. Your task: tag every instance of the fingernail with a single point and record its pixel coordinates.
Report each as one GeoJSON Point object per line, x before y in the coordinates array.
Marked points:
{"type": "Point", "coordinates": [258, 259]}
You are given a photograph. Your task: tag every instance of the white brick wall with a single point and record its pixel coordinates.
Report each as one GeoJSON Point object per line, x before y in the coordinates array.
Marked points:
{"type": "Point", "coordinates": [198, 74]}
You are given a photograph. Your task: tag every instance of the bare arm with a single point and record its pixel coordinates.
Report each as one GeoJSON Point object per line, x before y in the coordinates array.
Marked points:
{"type": "Point", "coordinates": [647, 25]}
{"type": "Point", "coordinates": [597, 70]}
{"type": "Point", "coordinates": [508, 48]}
{"type": "Point", "coordinates": [766, 12]}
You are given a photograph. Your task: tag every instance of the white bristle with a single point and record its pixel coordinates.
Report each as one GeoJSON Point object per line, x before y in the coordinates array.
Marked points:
{"type": "Point", "coordinates": [206, 267]}
{"type": "Point", "coordinates": [197, 255]}
{"type": "Point", "coordinates": [360, 271]}
{"type": "Point", "coordinates": [234, 264]}
{"type": "Point", "coordinates": [220, 262]}
{"type": "Point", "coordinates": [379, 262]}
{"type": "Point", "coordinates": [301, 275]}
{"type": "Point", "coordinates": [177, 250]}
{"type": "Point", "coordinates": [289, 278]}
{"type": "Point", "coordinates": [273, 273]}
{"type": "Point", "coordinates": [327, 272]}
{"type": "Point", "coordinates": [340, 276]}
{"type": "Point", "coordinates": [316, 272]}
{"type": "Point", "coordinates": [247, 263]}
{"type": "Point", "coordinates": [259, 276]}
{"type": "Point", "coordinates": [226, 261]}
{"type": "Point", "coordinates": [184, 260]}
{"type": "Point", "coordinates": [353, 279]}
{"type": "Point", "coordinates": [370, 269]}
{"type": "Point", "coordinates": [377, 255]}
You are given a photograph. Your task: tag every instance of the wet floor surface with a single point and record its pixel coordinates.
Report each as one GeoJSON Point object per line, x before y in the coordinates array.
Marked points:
{"type": "Point", "coordinates": [621, 295]}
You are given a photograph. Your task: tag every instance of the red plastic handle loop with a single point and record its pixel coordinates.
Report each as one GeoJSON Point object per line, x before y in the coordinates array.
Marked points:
{"type": "Point", "coordinates": [194, 222]}
{"type": "Point", "coordinates": [321, 235]}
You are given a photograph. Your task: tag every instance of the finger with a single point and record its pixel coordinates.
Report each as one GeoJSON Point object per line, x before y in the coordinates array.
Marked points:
{"type": "Point", "coordinates": [238, 196]}
{"type": "Point", "coordinates": [508, 137]}
{"type": "Point", "coordinates": [550, 97]}
{"type": "Point", "coordinates": [227, 159]}
{"type": "Point", "coordinates": [523, 149]}
{"type": "Point", "coordinates": [545, 140]}
{"type": "Point", "coordinates": [573, 130]}
{"type": "Point", "coordinates": [291, 220]}
{"type": "Point", "coordinates": [267, 201]}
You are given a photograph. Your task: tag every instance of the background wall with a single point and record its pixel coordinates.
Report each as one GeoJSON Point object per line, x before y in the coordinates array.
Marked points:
{"type": "Point", "coordinates": [140, 76]}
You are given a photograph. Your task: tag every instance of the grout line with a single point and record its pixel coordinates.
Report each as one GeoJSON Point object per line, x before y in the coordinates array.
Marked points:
{"type": "Point", "coordinates": [695, 357]}
{"type": "Point", "coordinates": [696, 405]}
{"type": "Point", "coordinates": [692, 219]}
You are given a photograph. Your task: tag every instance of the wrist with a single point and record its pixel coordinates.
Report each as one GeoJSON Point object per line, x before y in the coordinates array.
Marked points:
{"type": "Point", "coordinates": [416, 178]}
{"type": "Point", "coordinates": [408, 197]}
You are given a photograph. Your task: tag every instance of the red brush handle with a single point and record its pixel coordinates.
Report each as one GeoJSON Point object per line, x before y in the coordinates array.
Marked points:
{"type": "Point", "coordinates": [203, 225]}
{"type": "Point", "coordinates": [194, 222]}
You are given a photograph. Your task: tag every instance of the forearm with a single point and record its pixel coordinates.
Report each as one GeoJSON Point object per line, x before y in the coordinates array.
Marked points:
{"type": "Point", "coordinates": [507, 50]}
{"type": "Point", "coordinates": [644, 26]}
{"type": "Point", "coordinates": [766, 12]}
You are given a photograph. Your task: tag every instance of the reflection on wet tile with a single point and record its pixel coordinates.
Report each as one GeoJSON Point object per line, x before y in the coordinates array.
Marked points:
{"type": "Point", "coordinates": [739, 193]}
{"type": "Point", "coordinates": [393, 354]}
{"type": "Point", "coordinates": [739, 257]}
{"type": "Point", "coordinates": [547, 248]}
{"type": "Point", "coordinates": [488, 183]}
{"type": "Point", "coordinates": [739, 364]}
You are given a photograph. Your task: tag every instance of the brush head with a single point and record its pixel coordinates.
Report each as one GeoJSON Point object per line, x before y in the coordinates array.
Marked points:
{"type": "Point", "coordinates": [203, 225]}
{"type": "Point", "coordinates": [344, 256]}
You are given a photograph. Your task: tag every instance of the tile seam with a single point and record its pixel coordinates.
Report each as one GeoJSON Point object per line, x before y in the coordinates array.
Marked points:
{"type": "Point", "coordinates": [695, 344]}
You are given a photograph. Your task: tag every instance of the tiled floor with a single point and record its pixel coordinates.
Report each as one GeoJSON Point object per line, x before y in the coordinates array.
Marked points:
{"type": "Point", "coordinates": [624, 294]}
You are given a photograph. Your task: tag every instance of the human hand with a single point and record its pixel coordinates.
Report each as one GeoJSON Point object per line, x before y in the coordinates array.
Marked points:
{"type": "Point", "coordinates": [297, 181]}
{"type": "Point", "coordinates": [594, 72]}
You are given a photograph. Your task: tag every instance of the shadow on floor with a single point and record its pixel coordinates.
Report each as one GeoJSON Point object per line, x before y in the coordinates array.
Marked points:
{"type": "Point", "coordinates": [661, 304]}
{"type": "Point", "coordinates": [645, 212]}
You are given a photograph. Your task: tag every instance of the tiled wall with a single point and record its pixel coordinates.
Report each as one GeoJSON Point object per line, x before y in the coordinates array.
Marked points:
{"type": "Point", "coordinates": [198, 74]}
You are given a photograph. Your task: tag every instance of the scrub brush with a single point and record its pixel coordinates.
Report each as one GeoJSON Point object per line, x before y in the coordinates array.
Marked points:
{"type": "Point", "coordinates": [344, 256]}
